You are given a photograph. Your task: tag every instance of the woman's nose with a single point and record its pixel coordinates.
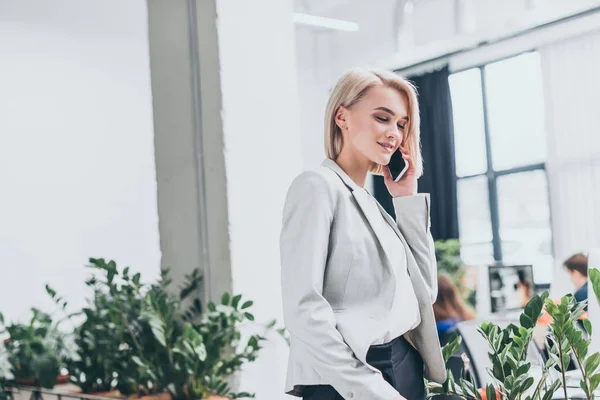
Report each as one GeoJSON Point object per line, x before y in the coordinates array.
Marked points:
{"type": "Point", "coordinates": [394, 134]}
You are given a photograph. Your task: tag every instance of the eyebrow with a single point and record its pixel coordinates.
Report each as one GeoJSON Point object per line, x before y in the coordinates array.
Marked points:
{"type": "Point", "coordinates": [387, 110]}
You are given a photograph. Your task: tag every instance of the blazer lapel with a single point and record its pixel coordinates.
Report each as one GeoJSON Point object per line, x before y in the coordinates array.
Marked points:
{"type": "Point", "coordinates": [374, 218]}
{"type": "Point", "coordinates": [362, 199]}
{"type": "Point", "coordinates": [391, 222]}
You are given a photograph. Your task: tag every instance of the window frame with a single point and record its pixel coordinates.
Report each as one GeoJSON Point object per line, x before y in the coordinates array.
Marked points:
{"type": "Point", "coordinates": [492, 174]}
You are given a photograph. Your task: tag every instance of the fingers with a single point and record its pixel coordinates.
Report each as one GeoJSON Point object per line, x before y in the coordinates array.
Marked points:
{"type": "Point", "coordinates": [406, 155]}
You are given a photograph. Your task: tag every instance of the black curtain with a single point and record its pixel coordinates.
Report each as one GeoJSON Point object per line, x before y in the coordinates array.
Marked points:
{"type": "Point", "coordinates": [437, 143]}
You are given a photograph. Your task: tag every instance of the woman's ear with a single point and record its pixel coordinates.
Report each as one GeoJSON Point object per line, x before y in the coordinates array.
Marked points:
{"type": "Point", "coordinates": [340, 117]}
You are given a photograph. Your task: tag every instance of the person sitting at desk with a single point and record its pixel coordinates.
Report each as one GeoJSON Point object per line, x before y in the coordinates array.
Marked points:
{"type": "Point", "coordinates": [577, 267]}
{"type": "Point", "coordinates": [449, 308]}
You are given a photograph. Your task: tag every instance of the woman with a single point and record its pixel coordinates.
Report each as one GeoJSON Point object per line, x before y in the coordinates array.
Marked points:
{"type": "Point", "coordinates": [357, 286]}
{"type": "Point", "coordinates": [449, 308]}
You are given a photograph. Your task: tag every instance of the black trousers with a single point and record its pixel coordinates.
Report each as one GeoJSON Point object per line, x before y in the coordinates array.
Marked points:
{"type": "Point", "coordinates": [400, 364]}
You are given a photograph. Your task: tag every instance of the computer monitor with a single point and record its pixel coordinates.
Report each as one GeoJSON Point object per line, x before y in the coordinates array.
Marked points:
{"type": "Point", "coordinates": [510, 287]}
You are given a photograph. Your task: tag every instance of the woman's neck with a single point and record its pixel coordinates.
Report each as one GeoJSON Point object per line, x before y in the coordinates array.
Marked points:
{"type": "Point", "coordinates": [354, 165]}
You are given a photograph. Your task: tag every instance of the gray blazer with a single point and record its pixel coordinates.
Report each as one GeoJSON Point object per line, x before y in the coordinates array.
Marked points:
{"type": "Point", "coordinates": [337, 283]}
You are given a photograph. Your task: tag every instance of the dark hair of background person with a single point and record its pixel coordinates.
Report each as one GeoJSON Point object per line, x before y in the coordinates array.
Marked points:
{"type": "Point", "coordinates": [449, 304]}
{"type": "Point", "coordinates": [577, 262]}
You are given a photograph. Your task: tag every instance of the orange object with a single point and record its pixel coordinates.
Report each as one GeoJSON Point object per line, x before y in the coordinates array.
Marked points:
{"type": "Point", "coordinates": [483, 394]}
{"type": "Point", "coordinates": [546, 319]}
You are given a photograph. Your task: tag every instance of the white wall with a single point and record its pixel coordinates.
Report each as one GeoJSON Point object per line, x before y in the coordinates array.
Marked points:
{"type": "Point", "coordinates": [314, 84]}
{"type": "Point", "coordinates": [262, 154]}
{"type": "Point", "coordinates": [76, 147]}
{"type": "Point", "coordinates": [572, 94]}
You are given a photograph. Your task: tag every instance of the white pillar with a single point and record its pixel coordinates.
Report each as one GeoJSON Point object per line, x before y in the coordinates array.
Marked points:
{"type": "Point", "coordinates": [227, 148]}
{"type": "Point", "coordinates": [190, 169]}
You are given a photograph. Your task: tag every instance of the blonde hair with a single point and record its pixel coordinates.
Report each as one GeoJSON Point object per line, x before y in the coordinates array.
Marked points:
{"type": "Point", "coordinates": [350, 89]}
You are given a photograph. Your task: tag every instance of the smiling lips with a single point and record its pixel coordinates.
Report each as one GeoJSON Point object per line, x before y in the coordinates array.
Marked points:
{"type": "Point", "coordinates": [387, 146]}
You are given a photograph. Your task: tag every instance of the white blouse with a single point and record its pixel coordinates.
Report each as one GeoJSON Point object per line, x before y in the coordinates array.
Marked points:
{"type": "Point", "coordinates": [405, 305]}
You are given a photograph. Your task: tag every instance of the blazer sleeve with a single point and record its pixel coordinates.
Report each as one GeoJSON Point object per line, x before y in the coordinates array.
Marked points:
{"type": "Point", "coordinates": [307, 220]}
{"type": "Point", "coordinates": [412, 218]}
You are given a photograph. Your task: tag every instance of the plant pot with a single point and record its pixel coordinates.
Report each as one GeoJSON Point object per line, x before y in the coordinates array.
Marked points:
{"type": "Point", "coordinates": [26, 381]}
{"type": "Point", "coordinates": [166, 396]}
{"type": "Point", "coordinates": [113, 394]}
{"type": "Point", "coordinates": [31, 381]}
{"type": "Point", "coordinates": [158, 396]}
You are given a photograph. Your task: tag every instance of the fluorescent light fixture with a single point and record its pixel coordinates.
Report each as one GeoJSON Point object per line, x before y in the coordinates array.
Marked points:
{"type": "Point", "coordinates": [323, 22]}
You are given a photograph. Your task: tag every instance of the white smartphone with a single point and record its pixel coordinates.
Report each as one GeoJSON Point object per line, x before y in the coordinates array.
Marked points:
{"type": "Point", "coordinates": [397, 165]}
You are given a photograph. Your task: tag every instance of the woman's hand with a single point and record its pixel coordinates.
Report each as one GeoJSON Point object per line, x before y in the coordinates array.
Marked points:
{"type": "Point", "coordinates": [407, 185]}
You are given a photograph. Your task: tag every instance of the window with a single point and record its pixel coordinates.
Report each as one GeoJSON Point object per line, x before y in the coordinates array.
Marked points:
{"type": "Point", "coordinates": [503, 201]}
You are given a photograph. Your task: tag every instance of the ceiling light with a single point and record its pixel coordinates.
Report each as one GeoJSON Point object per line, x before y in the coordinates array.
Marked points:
{"type": "Point", "coordinates": [323, 22]}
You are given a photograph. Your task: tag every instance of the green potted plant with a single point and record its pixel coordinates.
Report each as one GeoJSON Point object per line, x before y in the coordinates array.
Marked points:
{"type": "Point", "coordinates": [105, 340]}
{"type": "Point", "coordinates": [193, 353]}
{"type": "Point", "coordinates": [154, 340]}
{"type": "Point", "coordinates": [5, 374]}
{"type": "Point", "coordinates": [36, 351]}
{"type": "Point", "coordinates": [510, 375]}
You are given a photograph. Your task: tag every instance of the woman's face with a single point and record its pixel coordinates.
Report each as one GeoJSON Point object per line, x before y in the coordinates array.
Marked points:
{"type": "Point", "coordinates": [375, 126]}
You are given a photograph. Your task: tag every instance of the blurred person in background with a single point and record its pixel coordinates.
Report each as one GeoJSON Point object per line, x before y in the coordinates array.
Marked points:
{"type": "Point", "coordinates": [577, 267]}
{"type": "Point", "coordinates": [525, 286]}
{"type": "Point", "coordinates": [357, 286]}
{"type": "Point", "coordinates": [449, 308]}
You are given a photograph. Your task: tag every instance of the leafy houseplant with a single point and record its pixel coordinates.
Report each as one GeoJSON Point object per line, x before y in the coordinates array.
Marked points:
{"type": "Point", "coordinates": [191, 358]}
{"type": "Point", "coordinates": [510, 373]}
{"type": "Point", "coordinates": [107, 337]}
{"type": "Point", "coordinates": [35, 351]}
{"type": "Point", "coordinates": [144, 340]}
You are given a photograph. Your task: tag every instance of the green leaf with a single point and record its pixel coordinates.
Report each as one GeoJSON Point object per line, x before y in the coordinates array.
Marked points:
{"type": "Point", "coordinates": [594, 382]}
{"type": "Point", "coordinates": [591, 363]}
{"type": "Point", "coordinates": [247, 304]}
{"type": "Point", "coordinates": [249, 316]}
{"type": "Point", "coordinates": [50, 291]}
{"type": "Point", "coordinates": [588, 326]}
{"type": "Point", "coordinates": [594, 275]}
{"type": "Point", "coordinates": [527, 384]}
{"type": "Point", "coordinates": [583, 387]}
{"type": "Point", "coordinates": [272, 324]}
{"type": "Point", "coordinates": [236, 301]}
{"type": "Point", "coordinates": [137, 360]}
{"type": "Point", "coordinates": [200, 351]}
{"type": "Point", "coordinates": [490, 392]}
{"type": "Point", "coordinates": [225, 299]}
{"type": "Point", "coordinates": [451, 346]}
{"type": "Point", "coordinates": [157, 326]}
{"type": "Point", "coordinates": [523, 369]}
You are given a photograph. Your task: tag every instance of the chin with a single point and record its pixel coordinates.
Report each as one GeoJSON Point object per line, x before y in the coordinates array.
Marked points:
{"type": "Point", "coordinates": [382, 160]}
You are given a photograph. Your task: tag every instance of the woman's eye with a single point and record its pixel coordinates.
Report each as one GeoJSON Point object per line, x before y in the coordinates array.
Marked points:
{"type": "Point", "coordinates": [382, 119]}
{"type": "Point", "coordinates": [401, 126]}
